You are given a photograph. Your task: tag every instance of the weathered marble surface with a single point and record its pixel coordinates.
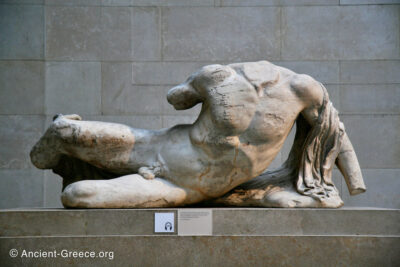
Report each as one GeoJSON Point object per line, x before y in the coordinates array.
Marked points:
{"type": "Point", "coordinates": [248, 110]}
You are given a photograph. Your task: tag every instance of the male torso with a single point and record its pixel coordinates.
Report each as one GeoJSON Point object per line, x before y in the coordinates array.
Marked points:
{"type": "Point", "coordinates": [239, 132]}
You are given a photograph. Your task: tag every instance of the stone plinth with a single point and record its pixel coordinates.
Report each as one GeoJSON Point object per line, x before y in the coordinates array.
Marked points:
{"type": "Point", "coordinates": [240, 237]}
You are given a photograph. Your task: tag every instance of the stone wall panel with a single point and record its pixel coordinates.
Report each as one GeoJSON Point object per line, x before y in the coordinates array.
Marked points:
{"type": "Point", "coordinates": [22, 87]}
{"type": "Point", "coordinates": [73, 87]}
{"type": "Point", "coordinates": [221, 34]}
{"type": "Point", "coordinates": [22, 32]}
{"type": "Point", "coordinates": [18, 134]}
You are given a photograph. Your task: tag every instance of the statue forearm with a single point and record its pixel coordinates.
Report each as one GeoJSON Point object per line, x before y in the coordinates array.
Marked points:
{"type": "Point", "coordinates": [350, 168]}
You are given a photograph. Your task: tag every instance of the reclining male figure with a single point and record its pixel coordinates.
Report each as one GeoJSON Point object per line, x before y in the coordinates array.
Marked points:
{"type": "Point", "coordinates": [248, 110]}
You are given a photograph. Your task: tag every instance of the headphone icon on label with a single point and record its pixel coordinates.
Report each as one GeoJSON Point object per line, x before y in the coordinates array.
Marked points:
{"type": "Point", "coordinates": [168, 226]}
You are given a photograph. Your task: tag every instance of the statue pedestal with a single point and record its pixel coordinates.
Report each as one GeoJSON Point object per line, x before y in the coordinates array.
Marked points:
{"type": "Point", "coordinates": [238, 236]}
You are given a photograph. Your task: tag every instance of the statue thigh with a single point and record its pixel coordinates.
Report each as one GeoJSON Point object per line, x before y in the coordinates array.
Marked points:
{"type": "Point", "coordinates": [105, 145]}
{"type": "Point", "coordinates": [130, 191]}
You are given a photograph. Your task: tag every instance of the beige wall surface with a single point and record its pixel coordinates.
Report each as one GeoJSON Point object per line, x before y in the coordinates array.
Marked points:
{"type": "Point", "coordinates": [115, 60]}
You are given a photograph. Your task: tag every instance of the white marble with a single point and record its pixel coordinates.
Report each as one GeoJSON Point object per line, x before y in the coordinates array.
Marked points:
{"type": "Point", "coordinates": [248, 110]}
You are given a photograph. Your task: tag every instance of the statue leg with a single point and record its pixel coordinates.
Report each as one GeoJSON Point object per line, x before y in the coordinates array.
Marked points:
{"type": "Point", "coordinates": [104, 145]}
{"type": "Point", "coordinates": [130, 191]}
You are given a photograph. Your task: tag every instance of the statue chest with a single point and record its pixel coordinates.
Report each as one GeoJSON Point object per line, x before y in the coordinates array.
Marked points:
{"type": "Point", "coordinates": [271, 122]}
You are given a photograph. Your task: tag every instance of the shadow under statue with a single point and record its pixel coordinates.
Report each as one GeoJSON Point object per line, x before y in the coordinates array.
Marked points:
{"type": "Point", "coordinates": [248, 110]}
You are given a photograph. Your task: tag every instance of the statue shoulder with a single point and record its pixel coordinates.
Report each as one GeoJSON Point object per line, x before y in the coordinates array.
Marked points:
{"type": "Point", "coordinates": [307, 89]}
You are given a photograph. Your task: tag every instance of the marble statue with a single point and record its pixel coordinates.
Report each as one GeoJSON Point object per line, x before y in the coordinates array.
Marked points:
{"type": "Point", "coordinates": [248, 110]}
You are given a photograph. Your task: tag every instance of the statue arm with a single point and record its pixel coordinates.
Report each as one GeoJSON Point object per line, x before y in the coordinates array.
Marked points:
{"type": "Point", "coordinates": [309, 91]}
{"type": "Point", "coordinates": [348, 165]}
{"type": "Point", "coordinates": [184, 96]}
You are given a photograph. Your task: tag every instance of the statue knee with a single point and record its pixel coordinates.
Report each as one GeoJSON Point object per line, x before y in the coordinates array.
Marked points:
{"type": "Point", "coordinates": [61, 128]}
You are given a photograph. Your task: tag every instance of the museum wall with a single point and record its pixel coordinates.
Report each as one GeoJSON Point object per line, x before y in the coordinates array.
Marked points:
{"type": "Point", "coordinates": [115, 60]}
